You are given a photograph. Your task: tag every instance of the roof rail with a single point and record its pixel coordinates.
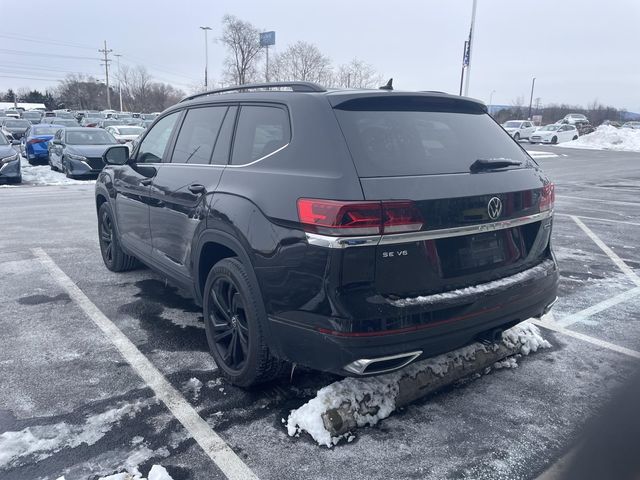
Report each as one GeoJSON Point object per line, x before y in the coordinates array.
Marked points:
{"type": "Point", "coordinates": [295, 86]}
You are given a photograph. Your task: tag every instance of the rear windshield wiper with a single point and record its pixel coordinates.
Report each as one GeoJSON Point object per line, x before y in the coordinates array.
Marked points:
{"type": "Point", "coordinates": [492, 163]}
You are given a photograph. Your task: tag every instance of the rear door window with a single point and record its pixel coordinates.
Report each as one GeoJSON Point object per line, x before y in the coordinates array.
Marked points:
{"type": "Point", "coordinates": [407, 136]}
{"type": "Point", "coordinates": [261, 130]}
{"type": "Point", "coordinates": [198, 135]}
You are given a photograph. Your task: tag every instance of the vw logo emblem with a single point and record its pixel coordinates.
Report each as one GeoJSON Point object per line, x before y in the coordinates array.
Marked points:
{"type": "Point", "coordinates": [494, 208]}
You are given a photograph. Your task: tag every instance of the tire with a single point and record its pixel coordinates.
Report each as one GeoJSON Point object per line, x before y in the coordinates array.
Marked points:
{"type": "Point", "coordinates": [235, 319]}
{"type": "Point", "coordinates": [113, 256]}
{"type": "Point", "coordinates": [516, 137]}
{"type": "Point", "coordinates": [554, 140]}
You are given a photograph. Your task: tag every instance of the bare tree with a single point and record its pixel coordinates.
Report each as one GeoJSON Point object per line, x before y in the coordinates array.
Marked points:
{"type": "Point", "coordinates": [357, 74]}
{"type": "Point", "coordinates": [242, 39]}
{"type": "Point", "coordinates": [82, 92]}
{"type": "Point", "coordinates": [301, 61]}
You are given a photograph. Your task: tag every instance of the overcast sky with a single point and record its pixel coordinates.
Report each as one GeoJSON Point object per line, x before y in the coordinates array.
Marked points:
{"type": "Point", "coordinates": [579, 50]}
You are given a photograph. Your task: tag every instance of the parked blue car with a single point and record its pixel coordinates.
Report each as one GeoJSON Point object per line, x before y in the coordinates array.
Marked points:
{"type": "Point", "coordinates": [34, 144]}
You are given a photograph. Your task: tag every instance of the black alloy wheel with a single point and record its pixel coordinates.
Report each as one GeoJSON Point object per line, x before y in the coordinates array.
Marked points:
{"type": "Point", "coordinates": [235, 320]}
{"type": "Point", "coordinates": [113, 256]}
{"type": "Point", "coordinates": [227, 317]}
{"type": "Point", "coordinates": [106, 237]}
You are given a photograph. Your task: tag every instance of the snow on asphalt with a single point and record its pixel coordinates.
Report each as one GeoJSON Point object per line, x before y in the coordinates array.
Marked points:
{"type": "Point", "coordinates": [157, 472]}
{"type": "Point", "coordinates": [607, 137]}
{"type": "Point", "coordinates": [380, 392]}
{"type": "Point", "coordinates": [43, 175]}
{"type": "Point", "coordinates": [42, 441]}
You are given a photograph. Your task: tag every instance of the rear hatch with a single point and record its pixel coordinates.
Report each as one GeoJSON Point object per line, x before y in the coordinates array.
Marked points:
{"type": "Point", "coordinates": [477, 225]}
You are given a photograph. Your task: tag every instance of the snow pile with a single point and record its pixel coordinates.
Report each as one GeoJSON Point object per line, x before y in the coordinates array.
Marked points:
{"type": "Point", "coordinates": [42, 441]}
{"type": "Point", "coordinates": [157, 472]}
{"type": "Point", "coordinates": [607, 137]}
{"type": "Point", "coordinates": [380, 392]}
{"type": "Point", "coordinates": [506, 282]}
{"type": "Point", "coordinates": [43, 175]}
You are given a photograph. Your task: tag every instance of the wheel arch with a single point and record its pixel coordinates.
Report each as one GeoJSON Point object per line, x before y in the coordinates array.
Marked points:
{"type": "Point", "coordinates": [213, 246]}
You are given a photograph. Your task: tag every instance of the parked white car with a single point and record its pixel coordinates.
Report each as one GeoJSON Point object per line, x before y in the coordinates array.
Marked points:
{"type": "Point", "coordinates": [554, 133]}
{"type": "Point", "coordinates": [573, 118]}
{"type": "Point", "coordinates": [125, 133]}
{"type": "Point", "coordinates": [519, 129]}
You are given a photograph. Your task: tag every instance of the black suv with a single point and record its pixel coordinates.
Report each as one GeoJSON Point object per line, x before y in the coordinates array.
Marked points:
{"type": "Point", "coordinates": [351, 231]}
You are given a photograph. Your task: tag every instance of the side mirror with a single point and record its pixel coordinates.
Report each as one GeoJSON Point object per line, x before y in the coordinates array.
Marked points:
{"type": "Point", "coordinates": [117, 155]}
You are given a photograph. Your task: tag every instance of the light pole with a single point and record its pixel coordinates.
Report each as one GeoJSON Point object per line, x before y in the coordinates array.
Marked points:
{"type": "Point", "coordinates": [470, 47]}
{"type": "Point", "coordinates": [491, 97]}
{"type": "Point", "coordinates": [118, 55]}
{"type": "Point", "coordinates": [533, 84]}
{"type": "Point", "coordinates": [206, 55]}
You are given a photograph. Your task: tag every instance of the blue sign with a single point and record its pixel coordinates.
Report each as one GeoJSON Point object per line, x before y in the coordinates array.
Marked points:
{"type": "Point", "coordinates": [267, 38]}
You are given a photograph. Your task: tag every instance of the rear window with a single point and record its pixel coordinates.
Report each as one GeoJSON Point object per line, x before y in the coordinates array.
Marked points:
{"type": "Point", "coordinates": [17, 123]}
{"type": "Point", "coordinates": [421, 136]}
{"type": "Point", "coordinates": [44, 130]}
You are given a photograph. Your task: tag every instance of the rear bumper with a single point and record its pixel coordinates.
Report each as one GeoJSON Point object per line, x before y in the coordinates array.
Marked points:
{"type": "Point", "coordinates": [37, 151]}
{"type": "Point", "coordinates": [446, 325]}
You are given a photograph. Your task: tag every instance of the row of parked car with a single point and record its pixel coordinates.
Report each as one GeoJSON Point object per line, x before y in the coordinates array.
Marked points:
{"type": "Point", "coordinates": [568, 128]}
{"type": "Point", "coordinates": [63, 142]}
{"type": "Point", "coordinates": [14, 123]}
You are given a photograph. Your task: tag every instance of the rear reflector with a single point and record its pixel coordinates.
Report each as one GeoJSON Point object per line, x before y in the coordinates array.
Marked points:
{"type": "Point", "coordinates": [332, 217]}
{"type": "Point", "coordinates": [548, 197]}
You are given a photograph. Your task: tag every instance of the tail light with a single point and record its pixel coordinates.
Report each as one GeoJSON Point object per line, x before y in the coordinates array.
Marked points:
{"type": "Point", "coordinates": [332, 217]}
{"type": "Point", "coordinates": [36, 140]}
{"type": "Point", "coordinates": [548, 197]}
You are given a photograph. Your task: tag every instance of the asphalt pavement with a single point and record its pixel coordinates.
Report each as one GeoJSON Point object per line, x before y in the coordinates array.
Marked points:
{"type": "Point", "coordinates": [76, 402]}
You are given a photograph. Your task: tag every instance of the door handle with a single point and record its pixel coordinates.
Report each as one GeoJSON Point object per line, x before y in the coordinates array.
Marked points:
{"type": "Point", "coordinates": [146, 182]}
{"type": "Point", "coordinates": [197, 188]}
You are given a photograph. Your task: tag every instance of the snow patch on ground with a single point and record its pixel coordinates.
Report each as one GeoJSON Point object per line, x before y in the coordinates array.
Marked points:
{"type": "Point", "coordinates": [43, 175]}
{"type": "Point", "coordinates": [607, 137]}
{"type": "Point", "coordinates": [157, 472]}
{"type": "Point", "coordinates": [382, 390]}
{"type": "Point", "coordinates": [502, 283]}
{"type": "Point", "coordinates": [42, 441]}
{"type": "Point", "coordinates": [193, 386]}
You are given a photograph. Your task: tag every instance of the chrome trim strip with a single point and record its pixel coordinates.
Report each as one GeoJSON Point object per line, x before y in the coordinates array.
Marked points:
{"type": "Point", "coordinates": [259, 159]}
{"type": "Point", "coordinates": [341, 242]}
{"type": "Point", "coordinates": [466, 230]}
{"type": "Point", "coordinates": [358, 367]}
{"type": "Point", "coordinates": [390, 239]}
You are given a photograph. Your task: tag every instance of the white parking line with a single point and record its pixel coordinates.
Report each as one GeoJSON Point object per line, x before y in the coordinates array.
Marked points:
{"type": "Point", "coordinates": [598, 307]}
{"type": "Point", "coordinates": [581, 336]}
{"type": "Point", "coordinates": [214, 446]}
{"type": "Point", "coordinates": [598, 219]}
{"type": "Point", "coordinates": [628, 271]}
{"type": "Point", "coordinates": [614, 202]}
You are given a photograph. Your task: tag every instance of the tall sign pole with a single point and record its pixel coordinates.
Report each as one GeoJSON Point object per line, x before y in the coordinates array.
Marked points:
{"type": "Point", "coordinates": [533, 84]}
{"type": "Point", "coordinates": [106, 53]}
{"type": "Point", "coordinates": [471, 35]}
{"type": "Point", "coordinates": [206, 56]}
{"type": "Point", "coordinates": [465, 63]}
{"type": "Point", "coordinates": [118, 55]}
{"type": "Point", "coordinates": [267, 39]}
